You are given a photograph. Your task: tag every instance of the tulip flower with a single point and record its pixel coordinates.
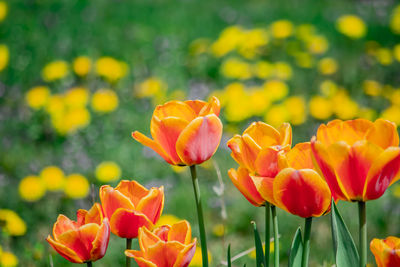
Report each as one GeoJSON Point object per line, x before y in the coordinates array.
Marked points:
{"type": "Point", "coordinates": [83, 241]}
{"type": "Point", "coordinates": [386, 252]}
{"type": "Point", "coordinates": [184, 132]}
{"type": "Point", "coordinates": [167, 246]}
{"type": "Point", "coordinates": [130, 206]}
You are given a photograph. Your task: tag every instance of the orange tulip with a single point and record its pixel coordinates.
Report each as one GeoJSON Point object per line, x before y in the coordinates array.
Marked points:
{"type": "Point", "coordinates": [130, 206]}
{"type": "Point", "coordinates": [386, 252]}
{"type": "Point", "coordinates": [84, 240]}
{"type": "Point", "coordinates": [166, 246]}
{"type": "Point", "coordinates": [358, 158]}
{"type": "Point", "coordinates": [184, 133]}
{"type": "Point", "coordinates": [298, 188]}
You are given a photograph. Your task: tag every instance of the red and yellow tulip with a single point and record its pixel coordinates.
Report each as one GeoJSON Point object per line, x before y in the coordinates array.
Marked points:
{"type": "Point", "coordinates": [130, 206]}
{"type": "Point", "coordinates": [82, 241]}
{"type": "Point", "coordinates": [166, 246]}
{"type": "Point", "coordinates": [359, 159]}
{"type": "Point", "coordinates": [386, 251]}
{"type": "Point", "coordinates": [184, 132]}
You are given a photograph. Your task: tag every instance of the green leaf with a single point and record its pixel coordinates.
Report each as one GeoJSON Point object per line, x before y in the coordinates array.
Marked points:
{"type": "Point", "coordinates": [259, 247]}
{"type": "Point", "coordinates": [345, 251]}
{"type": "Point", "coordinates": [296, 250]}
{"type": "Point", "coordinates": [228, 259]}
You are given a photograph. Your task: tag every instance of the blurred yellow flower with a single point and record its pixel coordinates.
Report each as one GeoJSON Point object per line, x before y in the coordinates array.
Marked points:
{"type": "Point", "coordinates": [328, 88]}
{"type": "Point", "coordinates": [167, 219]}
{"type": "Point", "coordinates": [304, 60]}
{"type": "Point", "coordinates": [53, 178]}
{"type": "Point", "coordinates": [394, 96]}
{"type": "Point", "coordinates": [372, 88]}
{"type": "Point", "coordinates": [76, 186]}
{"type": "Point", "coordinates": [296, 107]}
{"type": "Point", "coordinates": [320, 107]}
{"type": "Point", "coordinates": [384, 56]}
{"type": "Point", "coordinates": [227, 41]}
{"type": "Point", "coordinates": [305, 32]}
{"type": "Point", "coordinates": [344, 107]}
{"type": "Point", "coordinates": [8, 259]}
{"type": "Point", "coordinates": [392, 113]}
{"type": "Point", "coordinates": [31, 188]}
{"type": "Point", "coordinates": [108, 171]}
{"type": "Point", "coordinates": [317, 44]}
{"type": "Point", "coordinates": [55, 70]}
{"type": "Point", "coordinates": [150, 87]}
{"type": "Point", "coordinates": [258, 97]}
{"type": "Point", "coordinates": [76, 118]}
{"type": "Point", "coordinates": [76, 97]}
{"type": "Point", "coordinates": [275, 89]}
{"type": "Point", "coordinates": [327, 66]}
{"type": "Point", "coordinates": [111, 69]}
{"type": "Point", "coordinates": [37, 97]}
{"type": "Point", "coordinates": [236, 69]}
{"type": "Point", "coordinates": [4, 56]}
{"type": "Point", "coordinates": [276, 115]}
{"type": "Point", "coordinates": [199, 46]}
{"type": "Point", "coordinates": [104, 101]}
{"type": "Point", "coordinates": [238, 106]}
{"type": "Point", "coordinates": [82, 65]}
{"type": "Point", "coordinates": [12, 224]}
{"type": "Point", "coordinates": [263, 69]}
{"type": "Point", "coordinates": [3, 10]}
{"type": "Point", "coordinates": [55, 104]}
{"type": "Point", "coordinates": [252, 41]}
{"type": "Point", "coordinates": [218, 229]}
{"type": "Point", "coordinates": [282, 70]}
{"type": "Point", "coordinates": [395, 20]}
{"type": "Point", "coordinates": [197, 260]}
{"type": "Point", "coordinates": [396, 52]}
{"type": "Point", "coordinates": [351, 26]}
{"type": "Point", "coordinates": [281, 29]}
{"type": "Point", "coordinates": [367, 113]}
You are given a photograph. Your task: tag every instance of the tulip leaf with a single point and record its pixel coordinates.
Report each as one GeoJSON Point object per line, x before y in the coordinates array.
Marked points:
{"type": "Point", "coordinates": [228, 259]}
{"type": "Point", "coordinates": [296, 250]}
{"type": "Point", "coordinates": [259, 247]}
{"type": "Point", "coordinates": [345, 251]}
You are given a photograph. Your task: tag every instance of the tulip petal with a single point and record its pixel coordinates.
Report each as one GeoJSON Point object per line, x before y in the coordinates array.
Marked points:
{"type": "Point", "coordinates": [132, 190]}
{"type": "Point", "coordinates": [386, 252]}
{"type": "Point", "coordinates": [383, 173]}
{"type": "Point", "coordinates": [152, 204]}
{"type": "Point", "coordinates": [301, 192]}
{"type": "Point", "coordinates": [177, 109]}
{"type": "Point", "coordinates": [383, 134]}
{"type": "Point", "coordinates": [63, 224]}
{"type": "Point", "coordinates": [112, 200]}
{"type": "Point", "coordinates": [212, 107]}
{"type": "Point", "coordinates": [299, 157]}
{"type": "Point", "coordinates": [285, 131]}
{"type": "Point", "coordinates": [180, 232]}
{"type": "Point", "coordinates": [147, 238]}
{"type": "Point", "coordinates": [199, 140]}
{"type": "Point", "coordinates": [162, 232]}
{"type": "Point", "coordinates": [266, 163]}
{"type": "Point", "coordinates": [95, 214]}
{"type": "Point", "coordinates": [64, 251]}
{"type": "Point", "coordinates": [244, 150]}
{"type": "Point", "coordinates": [142, 262]}
{"type": "Point", "coordinates": [243, 182]}
{"type": "Point", "coordinates": [144, 140]}
{"type": "Point", "coordinates": [100, 243]}
{"type": "Point", "coordinates": [196, 105]}
{"type": "Point", "coordinates": [264, 186]}
{"type": "Point", "coordinates": [125, 223]}
{"type": "Point", "coordinates": [164, 254]}
{"type": "Point", "coordinates": [185, 256]}
{"type": "Point", "coordinates": [263, 134]}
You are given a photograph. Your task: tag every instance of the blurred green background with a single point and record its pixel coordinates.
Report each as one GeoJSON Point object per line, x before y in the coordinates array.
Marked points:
{"type": "Point", "coordinates": [77, 77]}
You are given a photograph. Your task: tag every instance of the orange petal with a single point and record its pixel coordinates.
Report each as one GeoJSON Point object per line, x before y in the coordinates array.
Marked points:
{"type": "Point", "coordinates": [180, 232]}
{"type": "Point", "coordinates": [185, 256]}
{"type": "Point", "coordinates": [147, 239]}
{"type": "Point", "coordinates": [266, 164]}
{"type": "Point", "coordinates": [95, 214]}
{"type": "Point", "coordinates": [199, 140]}
{"type": "Point", "coordinates": [383, 133]}
{"type": "Point", "coordinates": [63, 224]}
{"type": "Point", "coordinates": [299, 157]}
{"type": "Point", "coordinates": [152, 204]}
{"type": "Point", "coordinates": [301, 192]}
{"type": "Point", "coordinates": [264, 186]}
{"type": "Point", "coordinates": [243, 182]}
{"type": "Point", "coordinates": [212, 107]}
{"type": "Point", "coordinates": [100, 243]}
{"type": "Point", "coordinates": [177, 109]}
{"type": "Point", "coordinates": [137, 255]}
{"type": "Point", "coordinates": [263, 134]}
{"type": "Point", "coordinates": [112, 200]}
{"type": "Point", "coordinates": [244, 150]}
{"type": "Point", "coordinates": [144, 140]}
{"type": "Point", "coordinates": [162, 232]}
{"type": "Point", "coordinates": [64, 251]}
{"type": "Point", "coordinates": [165, 254]}
{"type": "Point", "coordinates": [132, 190]}
{"type": "Point", "coordinates": [285, 131]}
{"type": "Point", "coordinates": [196, 105]}
{"type": "Point", "coordinates": [386, 252]}
{"type": "Point", "coordinates": [383, 172]}
{"type": "Point", "coordinates": [125, 223]}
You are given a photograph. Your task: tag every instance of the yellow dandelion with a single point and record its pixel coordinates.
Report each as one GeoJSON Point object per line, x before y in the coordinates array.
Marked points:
{"type": "Point", "coordinates": [384, 56]}
{"type": "Point", "coordinates": [167, 219]}
{"type": "Point", "coordinates": [150, 87]}
{"type": "Point", "coordinates": [12, 223]}
{"type": "Point", "coordinates": [320, 107]}
{"type": "Point", "coordinates": [76, 97]}
{"type": "Point", "coordinates": [252, 41]}
{"type": "Point", "coordinates": [327, 66]}
{"type": "Point", "coordinates": [276, 115]}
{"type": "Point", "coordinates": [31, 188]}
{"type": "Point", "coordinates": [197, 260]}
{"type": "Point", "coordinates": [263, 69]}
{"type": "Point", "coordinates": [8, 259]}
{"type": "Point", "coordinates": [76, 118]}
{"type": "Point", "coordinates": [372, 88]}
{"type": "Point", "coordinates": [395, 20]}
{"type": "Point", "coordinates": [304, 60]}
{"type": "Point", "coordinates": [108, 171]}
{"type": "Point", "coordinates": [82, 65]}
{"type": "Point", "coordinates": [351, 26]}
{"type": "Point", "coordinates": [111, 69]}
{"type": "Point", "coordinates": [104, 101]}
{"type": "Point", "coordinates": [53, 178]}
{"type": "Point", "coordinates": [199, 46]}
{"type": "Point", "coordinates": [392, 113]}
{"type": "Point", "coordinates": [283, 70]}
{"type": "Point", "coordinates": [296, 107]}
{"type": "Point", "coordinates": [227, 41]}
{"type": "Point", "coordinates": [238, 106]}
{"type": "Point", "coordinates": [394, 96]}
{"type": "Point", "coordinates": [317, 44]}
{"type": "Point", "coordinates": [281, 29]}
{"type": "Point", "coordinates": [344, 107]}
{"type": "Point", "coordinates": [396, 52]}
{"type": "Point", "coordinates": [275, 89]}
{"type": "Point", "coordinates": [4, 56]}
{"type": "Point", "coordinates": [55, 70]}
{"type": "Point", "coordinates": [76, 186]}
{"type": "Point", "coordinates": [3, 10]}
{"type": "Point", "coordinates": [260, 101]}
{"type": "Point", "coordinates": [55, 104]}
{"type": "Point", "coordinates": [218, 229]}
{"type": "Point", "coordinates": [305, 32]}
{"type": "Point", "coordinates": [37, 97]}
{"type": "Point", "coordinates": [328, 88]}
{"type": "Point", "coordinates": [236, 69]}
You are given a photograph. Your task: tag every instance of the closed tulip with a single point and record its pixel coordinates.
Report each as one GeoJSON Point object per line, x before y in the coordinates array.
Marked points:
{"type": "Point", "coordinates": [85, 240]}
{"type": "Point", "coordinates": [166, 246]}
{"type": "Point", "coordinates": [130, 206]}
{"type": "Point", "coordinates": [386, 251]}
{"type": "Point", "coordinates": [359, 159]}
{"type": "Point", "coordinates": [184, 132]}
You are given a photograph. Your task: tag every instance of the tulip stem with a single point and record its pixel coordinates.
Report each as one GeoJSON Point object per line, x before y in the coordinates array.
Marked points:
{"type": "Point", "coordinates": [276, 236]}
{"type": "Point", "coordinates": [89, 264]}
{"type": "Point", "coordinates": [306, 245]}
{"type": "Point", "coordinates": [267, 232]}
{"type": "Point", "coordinates": [362, 215]}
{"type": "Point", "coordinates": [128, 246]}
{"type": "Point", "coordinates": [203, 240]}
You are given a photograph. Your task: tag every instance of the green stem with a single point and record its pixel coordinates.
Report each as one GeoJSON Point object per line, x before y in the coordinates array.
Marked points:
{"type": "Point", "coordinates": [89, 264]}
{"type": "Point", "coordinates": [128, 246]}
{"type": "Point", "coordinates": [276, 236]}
{"type": "Point", "coordinates": [267, 232]}
{"type": "Point", "coordinates": [362, 215]}
{"type": "Point", "coordinates": [203, 240]}
{"type": "Point", "coordinates": [306, 245]}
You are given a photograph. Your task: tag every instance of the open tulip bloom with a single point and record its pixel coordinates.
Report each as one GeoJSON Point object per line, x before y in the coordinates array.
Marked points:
{"type": "Point", "coordinates": [386, 251]}
{"type": "Point", "coordinates": [83, 241]}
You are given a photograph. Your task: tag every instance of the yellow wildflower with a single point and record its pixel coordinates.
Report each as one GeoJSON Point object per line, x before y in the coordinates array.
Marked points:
{"type": "Point", "coordinates": [395, 20]}
{"type": "Point", "coordinates": [276, 115]}
{"type": "Point", "coordinates": [3, 10]}
{"type": "Point", "coordinates": [111, 69]}
{"type": "Point", "coordinates": [282, 70]}
{"type": "Point", "coordinates": [8, 259]}
{"type": "Point", "coordinates": [82, 65]}
{"type": "Point", "coordinates": [218, 229]}
{"type": "Point", "coordinates": [276, 89]}
{"type": "Point", "coordinates": [236, 69]}
{"type": "Point", "coordinates": [76, 118]}
{"type": "Point", "coordinates": [320, 107]}
{"type": "Point", "coordinates": [304, 60]}
{"type": "Point", "coordinates": [296, 107]}
{"type": "Point", "coordinates": [259, 100]}
{"type": "Point", "coordinates": [150, 87]}
{"type": "Point", "coordinates": [351, 26]}
{"type": "Point", "coordinates": [4, 56]}
{"type": "Point", "coordinates": [344, 107]}
{"type": "Point", "coordinates": [372, 88]}
{"type": "Point", "coordinates": [76, 97]}
{"type": "Point", "coordinates": [108, 171]}
{"type": "Point", "coordinates": [263, 69]}
{"type": "Point", "coordinates": [328, 88]}
{"type": "Point", "coordinates": [317, 44]}
{"type": "Point", "coordinates": [12, 224]}
{"type": "Point", "coordinates": [327, 66]}
{"type": "Point", "coordinates": [53, 178]}
{"type": "Point", "coordinates": [281, 29]}
{"type": "Point", "coordinates": [37, 97]}
{"type": "Point", "coordinates": [384, 56]}
{"type": "Point", "coordinates": [394, 96]}
{"type": "Point", "coordinates": [392, 113]}
{"type": "Point", "coordinates": [104, 101]}
{"type": "Point", "coordinates": [227, 41]}
{"type": "Point", "coordinates": [305, 32]}
{"type": "Point", "coordinates": [199, 46]}
{"type": "Point", "coordinates": [31, 188]}
{"type": "Point", "coordinates": [76, 186]}
{"type": "Point", "coordinates": [197, 260]}
{"type": "Point", "coordinates": [396, 52]}
{"type": "Point", "coordinates": [55, 104]}
{"type": "Point", "coordinates": [238, 106]}
{"type": "Point", "coordinates": [55, 70]}
{"type": "Point", "coordinates": [167, 219]}
{"type": "Point", "coordinates": [252, 41]}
